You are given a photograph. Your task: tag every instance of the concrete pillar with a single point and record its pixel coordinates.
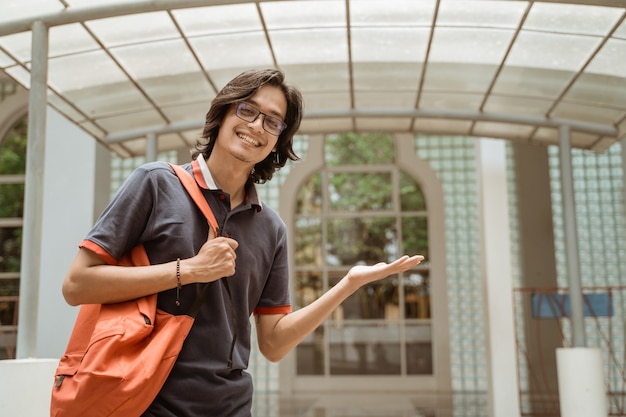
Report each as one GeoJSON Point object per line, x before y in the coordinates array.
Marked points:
{"type": "Point", "coordinates": [503, 389]}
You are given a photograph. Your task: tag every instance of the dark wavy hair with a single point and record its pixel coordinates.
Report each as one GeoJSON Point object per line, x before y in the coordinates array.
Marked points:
{"type": "Point", "coordinates": [241, 88]}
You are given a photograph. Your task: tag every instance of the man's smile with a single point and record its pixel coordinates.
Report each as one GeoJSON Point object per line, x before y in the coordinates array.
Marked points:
{"type": "Point", "coordinates": [248, 139]}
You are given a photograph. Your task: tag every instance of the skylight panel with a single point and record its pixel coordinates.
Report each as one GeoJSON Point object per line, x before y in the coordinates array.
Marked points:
{"type": "Point", "coordinates": [18, 45]}
{"type": "Point", "coordinates": [156, 59]}
{"type": "Point", "coordinates": [471, 46]}
{"type": "Point", "coordinates": [570, 18]}
{"type": "Point", "coordinates": [74, 72]}
{"type": "Point", "coordinates": [309, 14]}
{"type": "Point", "coordinates": [133, 29]}
{"type": "Point", "coordinates": [69, 39]}
{"type": "Point", "coordinates": [5, 60]}
{"type": "Point", "coordinates": [398, 13]}
{"type": "Point", "coordinates": [389, 44]}
{"type": "Point", "coordinates": [610, 60]}
{"type": "Point", "coordinates": [22, 9]}
{"type": "Point", "coordinates": [234, 18]}
{"type": "Point", "coordinates": [233, 50]}
{"type": "Point", "coordinates": [463, 13]}
{"type": "Point", "coordinates": [553, 51]}
{"type": "Point", "coordinates": [20, 75]}
{"type": "Point", "coordinates": [310, 46]}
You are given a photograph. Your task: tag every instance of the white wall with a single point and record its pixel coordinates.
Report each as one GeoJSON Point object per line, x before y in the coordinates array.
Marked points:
{"type": "Point", "coordinates": [26, 387]}
{"type": "Point", "coordinates": [26, 384]}
{"type": "Point", "coordinates": [67, 216]}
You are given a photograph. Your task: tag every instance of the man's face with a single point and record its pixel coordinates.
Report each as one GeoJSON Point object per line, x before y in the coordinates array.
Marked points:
{"type": "Point", "coordinates": [248, 141]}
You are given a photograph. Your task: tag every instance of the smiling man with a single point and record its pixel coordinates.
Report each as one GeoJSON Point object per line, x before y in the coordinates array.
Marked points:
{"type": "Point", "coordinates": [248, 135]}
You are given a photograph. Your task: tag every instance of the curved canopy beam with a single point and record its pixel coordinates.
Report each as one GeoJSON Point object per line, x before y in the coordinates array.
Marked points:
{"type": "Point", "coordinates": [511, 70]}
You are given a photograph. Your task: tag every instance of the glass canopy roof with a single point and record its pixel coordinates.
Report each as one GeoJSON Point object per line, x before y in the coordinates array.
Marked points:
{"type": "Point", "coordinates": [516, 70]}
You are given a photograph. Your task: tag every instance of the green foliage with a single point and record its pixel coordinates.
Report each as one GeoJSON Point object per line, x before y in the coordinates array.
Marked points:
{"type": "Point", "coordinates": [361, 239]}
{"type": "Point", "coordinates": [13, 150]}
{"type": "Point", "coordinates": [11, 200]}
{"type": "Point", "coordinates": [351, 186]}
{"type": "Point", "coordinates": [411, 197]}
{"type": "Point", "coordinates": [360, 149]}
{"type": "Point", "coordinates": [12, 162]}
{"type": "Point", "coordinates": [360, 191]}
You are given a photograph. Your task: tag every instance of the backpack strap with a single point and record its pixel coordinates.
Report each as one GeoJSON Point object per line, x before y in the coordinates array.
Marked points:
{"type": "Point", "coordinates": [190, 184]}
{"type": "Point", "coordinates": [194, 191]}
{"type": "Point", "coordinates": [88, 313]}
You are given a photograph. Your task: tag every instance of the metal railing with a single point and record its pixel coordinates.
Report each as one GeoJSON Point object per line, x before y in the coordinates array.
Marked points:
{"type": "Point", "coordinates": [543, 324]}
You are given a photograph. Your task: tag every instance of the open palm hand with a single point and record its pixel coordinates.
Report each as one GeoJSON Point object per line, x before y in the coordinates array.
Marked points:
{"type": "Point", "coordinates": [360, 275]}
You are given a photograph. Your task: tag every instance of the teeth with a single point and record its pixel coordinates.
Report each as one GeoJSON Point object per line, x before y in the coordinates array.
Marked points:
{"type": "Point", "coordinates": [249, 140]}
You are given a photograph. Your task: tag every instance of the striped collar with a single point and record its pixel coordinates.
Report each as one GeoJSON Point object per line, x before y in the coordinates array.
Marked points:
{"type": "Point", "coordinates": [205, 180]}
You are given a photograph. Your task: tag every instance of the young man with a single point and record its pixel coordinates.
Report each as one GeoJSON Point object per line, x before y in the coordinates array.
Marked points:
{"type": "Point", "coordinates": [247, 137]}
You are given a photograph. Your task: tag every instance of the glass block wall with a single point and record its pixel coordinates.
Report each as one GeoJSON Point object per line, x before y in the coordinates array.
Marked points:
{"type": "Point", "coordinates": [121, 168]}
{"type": "Point", "coordinates": [598, 190]}
{"type": "Point", "coordinates": [599, 197]}
{"type": "Point", "coordinates": [454, 161]}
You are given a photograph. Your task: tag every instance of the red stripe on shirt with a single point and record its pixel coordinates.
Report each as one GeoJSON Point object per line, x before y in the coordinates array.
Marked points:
{"type": "Point", "coordinates": [197, 173]}
{"type": "Point", "coordinates": [98, 250]}
{"type": "Point", "coordinates": [273, 310]}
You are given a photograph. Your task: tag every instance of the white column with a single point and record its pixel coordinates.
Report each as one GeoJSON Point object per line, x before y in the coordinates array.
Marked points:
{"type": "Point", "coordinates": [151, 147]}
{"type": "Point", "coordinates": [33, 194]}
{"type": "Point", "coordinates": [582, 390]}
{"type": "Point", "coordinates": [503, 389]}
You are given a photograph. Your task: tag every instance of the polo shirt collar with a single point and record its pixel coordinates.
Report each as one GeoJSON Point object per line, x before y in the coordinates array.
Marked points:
{"type": "Point", "coordinates": [204, 178]}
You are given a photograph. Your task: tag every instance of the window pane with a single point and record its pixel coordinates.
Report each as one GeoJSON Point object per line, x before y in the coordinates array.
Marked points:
{"type": "Point", "coordinates": [308, 237]}
{"type": "Point", "coordinates": [310, 354]}
{"type": "Point", "coordinates": [309, 199]}
{"type": "Point", "coordinates": [359, 149]}
{"type": "Point", "coordinates": [10, 250]}
{"type": "Point", "coordinates": [357, 349]}
{"type": "Point", "coordinates": [359, 191]}
{"type": "Point", "coordinates": [415, 236]}
{"type": "Point", "coordinates": [309, 287]}
{"type": "Point", "coordinates": [411, 197]}
{"type": "Point", "coordinates": [353, 240]}
{"type": "Point", "coordinates": [8, 302]}
{"type": "Point", "coordinates": [419, 349]}
{"type": "Point", "coordinates": [378, 300]}
{"type": "Point", "coordinates": [8, 320]}
{"type": "Point", "coordinates": [11, 200]}
{"type": "Point", "coordinates": [417, 295]}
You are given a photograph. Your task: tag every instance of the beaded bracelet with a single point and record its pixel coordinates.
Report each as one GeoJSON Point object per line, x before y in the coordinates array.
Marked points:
{"type": "Point", "coordinates": [178, 282]}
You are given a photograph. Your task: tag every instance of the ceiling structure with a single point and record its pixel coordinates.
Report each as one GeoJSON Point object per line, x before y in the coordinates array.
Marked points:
{"type": "Point", "coordinates": [517, 70]}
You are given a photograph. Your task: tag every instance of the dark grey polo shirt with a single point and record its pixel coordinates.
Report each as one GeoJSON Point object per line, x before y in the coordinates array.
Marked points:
{"type": "Point", "coordinates": [153, 208]}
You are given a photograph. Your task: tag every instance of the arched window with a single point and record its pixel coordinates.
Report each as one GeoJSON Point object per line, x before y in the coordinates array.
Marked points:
{"type": "Point", "coordinates": [362, 208]}
{"type": "Point", "coordinates": [12, 178]}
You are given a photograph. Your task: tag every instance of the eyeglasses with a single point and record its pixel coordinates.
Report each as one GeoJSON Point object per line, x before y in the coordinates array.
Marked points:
{"type": "Point", "coordinates": [249, 113]}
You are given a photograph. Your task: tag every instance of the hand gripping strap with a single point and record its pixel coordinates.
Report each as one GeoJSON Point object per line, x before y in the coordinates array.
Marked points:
{"type": "Point", "coordinates": [193, 189]}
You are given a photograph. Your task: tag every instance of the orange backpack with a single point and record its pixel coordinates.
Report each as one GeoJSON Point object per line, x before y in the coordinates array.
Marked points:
{"type": "Point", "coordinates": [119, 355]}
